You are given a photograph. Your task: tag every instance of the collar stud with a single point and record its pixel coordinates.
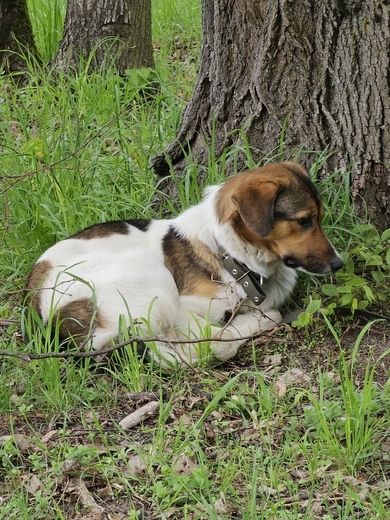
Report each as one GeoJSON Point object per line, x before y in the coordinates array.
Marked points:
{"type": "Point", "coordinates": [250, 281]}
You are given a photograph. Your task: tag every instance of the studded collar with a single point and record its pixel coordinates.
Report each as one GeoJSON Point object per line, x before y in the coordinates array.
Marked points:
{"type": "Point", "coordinates": [250, 281]}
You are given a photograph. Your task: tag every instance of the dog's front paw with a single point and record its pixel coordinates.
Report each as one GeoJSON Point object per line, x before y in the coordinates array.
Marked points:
{"type": "Point", "coordinates": [269, 320]}
{"type": "Point", "coordinates": [255, 321]}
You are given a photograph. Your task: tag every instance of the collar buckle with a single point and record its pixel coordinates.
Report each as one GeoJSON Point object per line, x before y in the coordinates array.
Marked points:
{"type": "Point", "coordinates": [250, 281]}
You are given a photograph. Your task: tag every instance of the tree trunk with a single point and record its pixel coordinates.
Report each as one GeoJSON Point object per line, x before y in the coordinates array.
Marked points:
{"type": "Point", "coordinates": [16, 35]}
{"type": "Point", "coordinates": [320, 65]}
{"type": "Point", "coordinates": [88, 22]}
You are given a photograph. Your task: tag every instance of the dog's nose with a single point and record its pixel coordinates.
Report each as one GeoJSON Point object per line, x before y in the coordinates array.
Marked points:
{"type": "Point", "coordinates": [336, 264]}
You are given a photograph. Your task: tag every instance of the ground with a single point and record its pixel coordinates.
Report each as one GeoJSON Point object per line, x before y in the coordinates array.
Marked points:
{"type": "Point", "coordinates": [89, 485]}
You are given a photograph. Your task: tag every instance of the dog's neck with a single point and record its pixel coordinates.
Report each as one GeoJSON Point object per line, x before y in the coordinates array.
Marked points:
{"type": "Point", "coordinates": [200, 224]}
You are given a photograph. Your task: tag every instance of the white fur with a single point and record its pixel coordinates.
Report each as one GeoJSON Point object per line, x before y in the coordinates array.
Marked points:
{"type": "Point", "coordinates": [125, 275]}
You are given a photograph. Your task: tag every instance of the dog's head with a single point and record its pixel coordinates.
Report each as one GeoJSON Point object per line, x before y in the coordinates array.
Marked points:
{"type": "Point", "coordinates": [278, 208]}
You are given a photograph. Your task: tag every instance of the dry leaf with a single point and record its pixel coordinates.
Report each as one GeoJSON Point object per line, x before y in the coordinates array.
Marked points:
{"type": "Point", "coordinates": [273, 360]}
{"type": "Point", "coordinates": [267, 490]}
{"type": "Point", "coordinates": [71, 466]}
{"type": "Point", "coordinates": [384, 450]}
{"type": "Point", "coordinates": [280, 388]}
{"type": "Point", "coordinates": [136, 465]}
{"type": "Point", "coordinates": [250, 434]}
{"type": "Point", "coordinates": [96, 512]}
{"type": "Point", "coordinates": [184, 466]}
{"type": "Point", "coordinates": [193, 401]}
{"type": "Point", "coordinates": [289, 378]}
{"type": "Point", "coordinates": [89, 417]}
{"type": "Point", "coordinates": [23, 443]}
{"type": "Point", "coordinates": [105, 493]}
{"type": "Point", "coordinates": [336, 378]}
{"type": "Point", "coordinates": [300, 474]}
{"type": "Point", "coordinates": [223, 506]}
{"type": "Point", "coordinates": [210, 433]}
{"type": "Point", "coordinates": [48, 436]}
{"type": "Point", "coordinates": [185, 420]}
{"type": "Point", "coordinates": [33, 484]}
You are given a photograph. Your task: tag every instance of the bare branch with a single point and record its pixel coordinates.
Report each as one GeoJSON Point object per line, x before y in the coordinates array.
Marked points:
{"type": "Point", "coordinates": [76, 354]}
{"type": "Point", "coordinates": [139, 415]}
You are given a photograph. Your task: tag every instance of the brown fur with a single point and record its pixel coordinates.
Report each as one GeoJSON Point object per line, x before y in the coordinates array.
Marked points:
{"type": "Point", "coordinates": [35, 280]}
{"type": "Point", "coordinates": [192, 265]}
{"type": "Point", "coordinates": [75, 318]}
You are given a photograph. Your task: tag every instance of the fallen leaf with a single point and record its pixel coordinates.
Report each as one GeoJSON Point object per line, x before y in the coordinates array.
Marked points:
{"type": "Point", "coordinates": [249, 434]}
{"type": "Point", "coordinates": [300, 474]}
{"type": "Point", "coordinates": [96, 512]}
{"type": "Point", "coordinates": [267, 490]}
{"type": "Point", "coordinates": [89, 417]}
{"type": "Point", "coordinates": [193, 401]}
{"type": "Point", "coordinates": [336, 378]}
{"type": "Point", "coordinates": [273, 360]}
{"type": "Point", "coordinates": [71, 466]}
{"type": "Point", "coordinates": [184, 466]}
{"type": "Point", "coordinates": [136, 465]}
{"type": "Point", "coordinates": [280, 388]}
{"type": "Point", "coordinates": [185, 420]}
{"type": "Point", "coordinates": [48, 436]}
{"type": "Point", "coordinates": [33, 484]}
{"type": "Point", "coordinates": [105, 493]}
{"type": "Point", "coordinates": [24, 444]}
{"type": "Point", "coordinates": [224, 506]}
{"type": "Point", "coordinates": [289, 378]}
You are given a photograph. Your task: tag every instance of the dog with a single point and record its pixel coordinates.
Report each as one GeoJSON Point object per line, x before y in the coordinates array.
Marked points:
{"type": "Point", "coordinates": [222, 268]}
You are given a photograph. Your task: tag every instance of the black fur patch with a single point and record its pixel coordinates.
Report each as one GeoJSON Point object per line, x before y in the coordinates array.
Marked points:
{"type": "Point", "coordinates": [139, 223]}
{"type": "Point", "coordinates": [105, 229]}
{"type": "Point", "coordinates": [306, 181]}
{"type": "Point", "coordinates": [295, 198]}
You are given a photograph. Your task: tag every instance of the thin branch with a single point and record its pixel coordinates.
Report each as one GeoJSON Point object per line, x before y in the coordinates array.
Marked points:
{"type": "Point", "coordinates": [7, 323]}
{"type": "Point", "coordinates": [108, 350]}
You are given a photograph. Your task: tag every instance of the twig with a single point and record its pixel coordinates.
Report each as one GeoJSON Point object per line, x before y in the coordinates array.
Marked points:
{"type": "Point", "coordinates": [135, 339]}
{"type": "Point", "coordinates": [139, 415]}
{"type": "Point", "coordinates": [7, 323]}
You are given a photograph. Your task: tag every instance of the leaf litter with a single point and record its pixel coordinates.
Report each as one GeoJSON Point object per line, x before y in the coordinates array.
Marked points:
{"type": "Point", "coordinates": [112, 474]}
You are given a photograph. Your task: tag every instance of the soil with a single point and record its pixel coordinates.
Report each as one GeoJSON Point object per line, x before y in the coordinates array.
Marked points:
{"type": "Point", "coordinates": [283, 350]}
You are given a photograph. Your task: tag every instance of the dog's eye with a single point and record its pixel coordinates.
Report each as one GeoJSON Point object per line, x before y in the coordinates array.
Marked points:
{"type": "Point", "coordinates": [305, 222]}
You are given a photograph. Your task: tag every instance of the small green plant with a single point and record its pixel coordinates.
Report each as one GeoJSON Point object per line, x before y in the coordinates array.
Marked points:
{"type": "Point", "coordinates": [366, 276]}
{"type": "Point", "coordinates": [363, 281]}
{"type": "Point", "coordinates": [350, 422]}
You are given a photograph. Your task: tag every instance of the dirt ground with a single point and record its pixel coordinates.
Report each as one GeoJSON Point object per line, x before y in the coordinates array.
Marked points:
{"type": "Point", "coordinates": [285, 349]}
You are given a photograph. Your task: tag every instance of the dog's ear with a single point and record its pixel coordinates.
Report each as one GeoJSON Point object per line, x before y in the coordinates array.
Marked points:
{"type": "Point", "coordinates": [256, 206]}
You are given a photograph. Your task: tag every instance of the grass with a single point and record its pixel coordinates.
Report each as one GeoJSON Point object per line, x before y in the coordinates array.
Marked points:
{"type": "Point", "coordinates": [226, 442]}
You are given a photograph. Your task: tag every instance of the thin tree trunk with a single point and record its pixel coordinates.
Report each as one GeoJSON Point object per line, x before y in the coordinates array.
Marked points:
{"type": "Point", "coordinates": [322, 66]}
{"type": "Point", "coordinates": [88, 22]}
{"type": "Point", "coordinates": [16, 35]}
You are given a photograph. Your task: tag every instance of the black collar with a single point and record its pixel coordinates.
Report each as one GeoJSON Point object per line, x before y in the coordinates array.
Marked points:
{"type": "Point", "coordinates": [250, 281]}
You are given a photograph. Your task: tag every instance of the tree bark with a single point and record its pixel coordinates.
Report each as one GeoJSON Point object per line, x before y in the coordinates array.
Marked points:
{"type": "Point", "coordinates": [16, 35]}
{"type": "Point", "coordinates": [88, 22]}
{"type": "Point", "coordinates": [320, 65]}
